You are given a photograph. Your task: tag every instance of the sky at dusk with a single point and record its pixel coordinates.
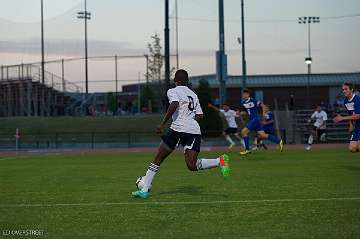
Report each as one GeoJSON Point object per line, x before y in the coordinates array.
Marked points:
{"type": "Point", "coordinates": [275, 42]}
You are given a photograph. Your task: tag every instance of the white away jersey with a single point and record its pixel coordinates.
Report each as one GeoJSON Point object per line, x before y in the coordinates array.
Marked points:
{"type": "Point", "coordinates": [230, 118]}
{"type": "Point", "coordinates": [320, 119]}
{"type": "Point", "coordinates": [189, 106]}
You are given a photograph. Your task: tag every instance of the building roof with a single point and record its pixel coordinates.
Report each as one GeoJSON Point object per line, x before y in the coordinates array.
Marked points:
{"type": "Point", "coordinates": [284, 80]}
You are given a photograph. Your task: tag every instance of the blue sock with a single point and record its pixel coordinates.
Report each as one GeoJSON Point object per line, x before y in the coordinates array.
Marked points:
{"type": "Point", "coordinates": [246, 142]}
{"type": "Point", "coordinates": [273, 139]}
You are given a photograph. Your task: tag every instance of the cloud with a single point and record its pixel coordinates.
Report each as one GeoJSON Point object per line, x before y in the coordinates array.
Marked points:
{"type": "Point", "coordinates": [69, 47]}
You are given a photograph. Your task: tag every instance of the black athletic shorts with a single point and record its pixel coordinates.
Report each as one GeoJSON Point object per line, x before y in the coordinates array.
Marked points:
{"type": "Point", "coordinates": [319, 132]}
{"type": "Point", "coordinates": [231, 130]}
{"type": "Point", "coordinates": [189, 141]}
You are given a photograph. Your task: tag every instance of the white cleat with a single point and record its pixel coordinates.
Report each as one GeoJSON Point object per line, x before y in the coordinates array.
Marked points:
{"type": "Point", "coordinates": [308, 148]}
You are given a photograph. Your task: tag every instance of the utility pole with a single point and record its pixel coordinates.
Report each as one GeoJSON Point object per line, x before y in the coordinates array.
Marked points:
{"type": "Point", "coordinates": [244, 76]}
{"type": "Point", "coordinates": [86, 16]}
{"type": "Point", "coordinates": [221, 69]}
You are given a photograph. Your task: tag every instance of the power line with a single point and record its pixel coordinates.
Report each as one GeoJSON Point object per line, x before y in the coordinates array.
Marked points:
{"type": "Point", "coordinates": [340, 17]}
{"type": "Point", "coordinates": [264, 20]}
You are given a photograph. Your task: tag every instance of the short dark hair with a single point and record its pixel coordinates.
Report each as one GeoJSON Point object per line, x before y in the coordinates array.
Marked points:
{"type": "Point", "coordinates": [226, 103]}
{"type": "Point", "coordinates": [182, 76]}
{"type": "Point", "coordinates": [245, 90]}
{"type": "Point", "coordinates": [349, 84]}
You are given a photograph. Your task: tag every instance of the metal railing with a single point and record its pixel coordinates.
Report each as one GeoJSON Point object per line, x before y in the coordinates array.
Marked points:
{"type": "Point", "coordinates": [33, 72]}
{"type": "Point", "coordinates": [85, 140]}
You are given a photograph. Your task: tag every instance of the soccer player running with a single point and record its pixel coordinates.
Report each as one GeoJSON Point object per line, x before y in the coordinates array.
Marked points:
{"type": "Point", "coordinates": [267, 125]}
{"type": "Point", "coordinates": [352, 104]}
{"type": "Point", "coordinates": [232, 128]}
{"type": "Point", "coordinates": [185, 111]}
{"type": "Point", "coordinates": [251, 106]}
{"type": "Point", "coordinates": [319, 127]}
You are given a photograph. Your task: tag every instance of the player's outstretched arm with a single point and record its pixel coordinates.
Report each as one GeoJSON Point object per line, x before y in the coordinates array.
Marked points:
{"type": "Point", "coordinates": [239, 116]}
{"type": "Point", "coordinates": [171, 110]}
{"type": "Point", "coordinates": [213, 107]}
{"type": "Point", "coordinates": [340, 118]}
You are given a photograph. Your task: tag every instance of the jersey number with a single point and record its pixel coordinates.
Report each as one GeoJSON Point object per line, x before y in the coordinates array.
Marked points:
{"type": "Point", "coordinates": [191, 105]}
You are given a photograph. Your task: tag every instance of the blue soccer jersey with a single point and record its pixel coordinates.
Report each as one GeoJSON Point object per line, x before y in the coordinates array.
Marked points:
{"type": "Point", "coordinates": [269, 116]}
{"type": "Point", "coordinates": [353, 107]}
{"type": "Point", "coordinates": [251, 105]}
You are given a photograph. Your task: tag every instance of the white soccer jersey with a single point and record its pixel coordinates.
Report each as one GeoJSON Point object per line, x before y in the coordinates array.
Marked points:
{"type": "Point", "coordinates": [189, 106]}
{"type": "Point", "coordinates": [320, 119]}
{"type": "Point", "coordinates": [230, 118]}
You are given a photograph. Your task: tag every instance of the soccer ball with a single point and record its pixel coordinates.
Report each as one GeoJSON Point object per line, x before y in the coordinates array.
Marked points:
{"type": "Point", "coordinates": [140, 183]}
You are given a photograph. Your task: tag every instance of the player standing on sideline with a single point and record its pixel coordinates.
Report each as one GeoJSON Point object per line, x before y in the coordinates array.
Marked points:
{"type": "Point", "coordinates": [352, 104]}
{"type": "Point", "coordinates": [251, 106]}
{"type": "Point", "coordinates": [185, 110]}
{"type": "Point", "coordinates": [267, 125]}
{"type": "Point", "coordinates": [232, 128]}
{"type": "Point", "coordinates": [319, 127]}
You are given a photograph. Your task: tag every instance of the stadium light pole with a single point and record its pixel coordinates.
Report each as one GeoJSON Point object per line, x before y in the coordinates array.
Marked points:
{"type": "Point", "coordinates": [86, 16]}
{"type": "Point", "coordinates": [221, 64]}
{"type": "Point", "coordinates": [177, 33]}
{"type": "Point", "coordinates": [42, 45]}
{"type": "Point", "coordinates": [167, 46]}
{"type": "Point", "coordinates": [242, 42]}
{"type": "Point", "coordinates": [308, 59]}
{"type": "Point", "coordinates": [116, 84]}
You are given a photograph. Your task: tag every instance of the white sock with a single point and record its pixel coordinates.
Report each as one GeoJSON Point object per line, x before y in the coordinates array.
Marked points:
{"type": "Point", "coordinates": [311, 139]}
{"type": "Point", "coordinates": [228, 138]}
{"type": "Point", "coordinates": [149, 176]}
{"type": "Point", "coordinates": [207, 163]}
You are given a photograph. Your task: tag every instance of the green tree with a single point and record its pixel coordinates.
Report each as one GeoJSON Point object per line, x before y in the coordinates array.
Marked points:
{"type": "Point", "coordinates": [211, 124]}
{"type": "Point", "coordinates": [111, 102]}
{"type": "Point", "coordinates": [155, 58]}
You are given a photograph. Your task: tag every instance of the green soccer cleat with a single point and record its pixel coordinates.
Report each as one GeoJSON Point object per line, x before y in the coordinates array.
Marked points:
{"type": "Point", "coordinates": [281, 145]}
{"type": "Point", "coordinates": [231, 146]}
{"type": "Point", "coordinates": [140, 194]}
{"type": "Point", "coordinates": [245, 152]}
{"type": "Point", "coordinates": [224, 166]}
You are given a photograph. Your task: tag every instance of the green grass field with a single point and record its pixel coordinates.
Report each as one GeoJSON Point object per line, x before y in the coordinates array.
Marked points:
{"type": "Point", "coordinates": [36, 125]}
{"type": "Point", "coordinates": [295, 194]}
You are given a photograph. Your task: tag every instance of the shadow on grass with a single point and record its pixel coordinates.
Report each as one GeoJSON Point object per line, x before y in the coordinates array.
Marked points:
{"type": "Point", "coordinates": [192, 191]}
{"type": "Point", "coordinates": [352, 168]}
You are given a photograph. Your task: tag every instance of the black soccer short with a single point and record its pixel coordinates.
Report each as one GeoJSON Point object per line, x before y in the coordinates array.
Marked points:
{"type": "Point", "coordinates": [189, 141]}
{"type": "Point", "coordinates": [230, 130]}
{"type": "Point", "coordinates": [319, 132]}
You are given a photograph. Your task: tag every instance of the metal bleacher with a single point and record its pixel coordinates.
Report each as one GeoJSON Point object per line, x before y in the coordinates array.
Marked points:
{"type": "Point", "coordinates": [22, 93]}
{"type": "Point", "coordinates": [335, 132]}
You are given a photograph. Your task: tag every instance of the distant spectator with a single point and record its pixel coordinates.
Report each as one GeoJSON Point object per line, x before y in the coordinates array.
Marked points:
{"type": "Point", "coordinates": [338, 103]}
{"type": "Point", "coordinates": [217, 102]}
{"type": "Point", "coordinates": [325, 106]}
{"type": "Point", "coordinates": [292, 103]}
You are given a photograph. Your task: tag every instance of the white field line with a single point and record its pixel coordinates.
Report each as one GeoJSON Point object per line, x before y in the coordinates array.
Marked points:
{"type": "Point", "coordinates": [13, 157]}
{"type": "Point", "coordinates": [219, 202]}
